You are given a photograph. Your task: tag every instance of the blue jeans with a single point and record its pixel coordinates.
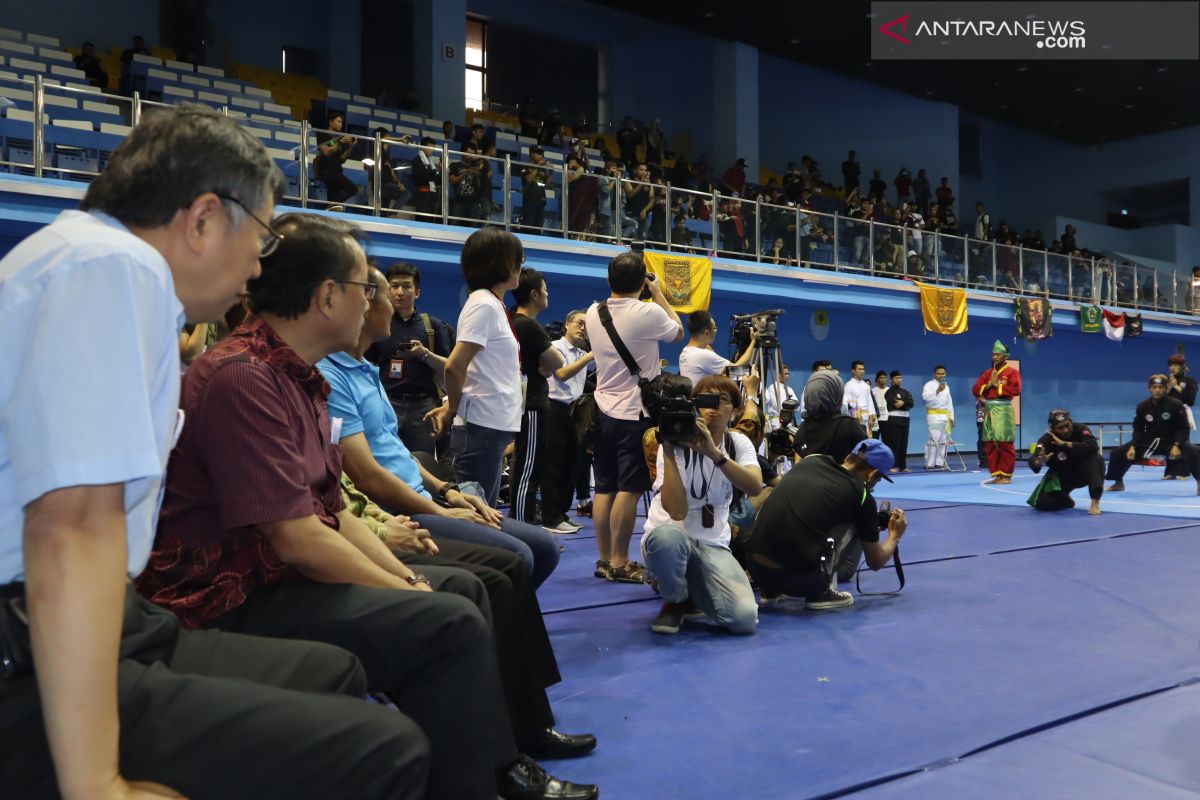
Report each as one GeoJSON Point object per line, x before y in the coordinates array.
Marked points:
{"type": "Point", "coordinates": [479, 456]}
{"type": "Point", "coordinates": [706, 573]}
{"type": "Point", "coordinates": [537, 549]}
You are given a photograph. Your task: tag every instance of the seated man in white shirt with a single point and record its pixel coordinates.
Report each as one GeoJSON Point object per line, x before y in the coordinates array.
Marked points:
{"type": "Point", "coordinates": [686, 546]}
{"type": "Point", "coordinates": [698, 357]}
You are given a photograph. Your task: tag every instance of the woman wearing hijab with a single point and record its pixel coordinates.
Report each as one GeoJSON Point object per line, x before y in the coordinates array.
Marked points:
{"type": "Point", "coordinates": [825, 428]}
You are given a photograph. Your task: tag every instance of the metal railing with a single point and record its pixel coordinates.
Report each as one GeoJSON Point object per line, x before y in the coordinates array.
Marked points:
{"type": "Point", "coordinates": [560, 197]}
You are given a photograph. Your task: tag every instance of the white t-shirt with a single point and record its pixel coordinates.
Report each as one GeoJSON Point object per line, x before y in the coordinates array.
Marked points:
{"type": "Point", "coordinates": [572, 388]}
{"type": "Point", "coordinates": [641, 327]}
{"type": "Point", "coordinates": [698, 362]}
{"type": "Point", "coordinates": [491, 395]}
{"type": "Point", "coordinates": [694, 471]}
{"type": "Point", "coordinates": [775, 396]}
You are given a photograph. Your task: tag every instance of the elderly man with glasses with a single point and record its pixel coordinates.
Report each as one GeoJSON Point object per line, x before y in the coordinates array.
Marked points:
{"type": "Point", "coordinates": [686, 546]}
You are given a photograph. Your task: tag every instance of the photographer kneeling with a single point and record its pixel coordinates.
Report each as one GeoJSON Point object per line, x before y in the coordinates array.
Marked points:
{"type": "Point", "coordinates": [686, 546]}
{"type": "Point", "coordinates": [819, 509]}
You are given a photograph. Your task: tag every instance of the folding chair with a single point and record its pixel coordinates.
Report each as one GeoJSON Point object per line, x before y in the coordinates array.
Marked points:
{"type": "Point", "coordinates": [951, 447]}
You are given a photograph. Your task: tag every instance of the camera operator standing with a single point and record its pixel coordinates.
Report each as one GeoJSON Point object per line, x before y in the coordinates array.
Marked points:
{"type": "Point", "coordinates": [698, 359]}
{"type": "Point", "coordinates": [620, 467]}
{"type": "Point", "coordinates": [819, 508]}
{"type": "Point", "coordinates": [687, 538]}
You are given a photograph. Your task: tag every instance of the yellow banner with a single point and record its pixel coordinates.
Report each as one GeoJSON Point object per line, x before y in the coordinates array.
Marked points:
{"type": "Point", "coordinates": [685, 280]}
{"type": "Point", "coordinates": [945, 310]}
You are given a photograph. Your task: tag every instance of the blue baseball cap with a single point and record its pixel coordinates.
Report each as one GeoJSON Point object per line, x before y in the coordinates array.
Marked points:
{"type": "Point", "coordinates": [877, 454]}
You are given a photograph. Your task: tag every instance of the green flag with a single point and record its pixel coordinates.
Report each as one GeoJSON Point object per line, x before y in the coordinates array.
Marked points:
{"type": "Point", "coordinates": [1089, 319]}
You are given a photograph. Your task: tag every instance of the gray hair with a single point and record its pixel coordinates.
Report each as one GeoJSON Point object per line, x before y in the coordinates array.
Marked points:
{"type": "Point", "coordinates": [174, 156]}
{"type": "Point", "coordinates": [573, 314]}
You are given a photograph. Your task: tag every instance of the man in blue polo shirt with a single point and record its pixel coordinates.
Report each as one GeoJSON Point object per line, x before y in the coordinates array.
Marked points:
{"type": "Point", "coordinates": [382, 468]}
{"type": "Point", "coordinates": [412, 361]}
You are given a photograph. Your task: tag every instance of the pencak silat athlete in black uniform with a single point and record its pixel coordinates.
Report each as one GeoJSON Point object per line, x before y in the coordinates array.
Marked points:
{"type": "Point", "coordinates": [1073, 460]}
{"type": "Point", "coordinates": [1182, 387]}
{"type": "Point", "coordinates": [1160, 426]}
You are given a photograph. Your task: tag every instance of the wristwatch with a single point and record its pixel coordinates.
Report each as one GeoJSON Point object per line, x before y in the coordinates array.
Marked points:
{"type": "Point", "coordinates": [415, 578]}
{"type": "Point", "coordinates": [724, 460]}
{"type": "Point", "coordinates": [446, 488]}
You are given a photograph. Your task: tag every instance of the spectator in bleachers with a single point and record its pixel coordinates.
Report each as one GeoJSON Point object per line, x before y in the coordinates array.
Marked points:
{"type": "Point", "coordinates": [333, 148]}
{"type": "Point", "coordinates": [383, 97]}
{"type": "Point", "coordinates": [656, 142]}
{"type": "Point", "coordinates": [467, 178]}
{"type": "Point", "coordinates": [922, 191]}
{"type": "Point", "coordinates": [933, 226]}
{"type": "Point", "coordinates": [983, 223]}
{"type": "Point", "coordinates": [427, 177]}
{"type": "Point", "coordinates": [877, 187]}
{"type": "Point", "coordinates": [861, 232]}
{"type": "Point", "coordinates": [945, 195]}
{"type": "Point", "coordinates": [121, 700]}
{"type": "Point", "coordinates": [682, 239]}
{"type": "Point", "coordinates": [639, 199]}
{"type": "Point", "coordinates": [733, 182]}
{"type": "Point", "coordinates": [628, 139]}
{"type": "Point", "coordinates": [1068, 239]}
{"type": "Point", "coordinates": [410, 101]}
{"type": "Point", "coordinates": [448, 131]}
{"type": "Point", "coordinates": [611, 203]}
{"type": "Point", "coordinates": [392, 192]}
{"type": "Point", "coordinates": [732, 227]}
{"type": "Point", "coordinates": [138, 47]}
{"type": "Point", "coordinates": [476, 136]}
{"type": "Point", "coordinates": [534, 179]}
{"type": "Point", "coordinates": [851, 172]}
{"type": "Point", "coordinates": [656, 231]}
{"type": "Point", "coordinates": [949, 218]}
{"type": "Point", "coordinates": [681, 173]}
{"type": "Point", "coordinates": [903, 184]}
{"type": "Point", "coordinates": [90, 65]}
{"type": "Point", "coordinates": [582, 193]}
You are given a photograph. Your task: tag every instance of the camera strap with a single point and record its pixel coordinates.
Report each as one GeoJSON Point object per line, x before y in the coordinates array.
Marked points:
{"type": "Point", "coordinates": [896, 562]}
{"type": "Point", "coordinates": [607, 321]}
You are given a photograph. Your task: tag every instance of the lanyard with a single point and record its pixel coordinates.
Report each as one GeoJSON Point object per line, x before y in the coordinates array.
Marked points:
{"type": "Point", "coordinates": [703, 495]}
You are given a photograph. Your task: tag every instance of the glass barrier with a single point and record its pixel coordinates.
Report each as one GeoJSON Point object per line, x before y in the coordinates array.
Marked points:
{"type": "Point", "coordinates": [70, 131]}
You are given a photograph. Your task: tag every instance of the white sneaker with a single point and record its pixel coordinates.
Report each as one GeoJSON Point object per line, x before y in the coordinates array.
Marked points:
{"type": "Point", "coordinates": [563, 527]}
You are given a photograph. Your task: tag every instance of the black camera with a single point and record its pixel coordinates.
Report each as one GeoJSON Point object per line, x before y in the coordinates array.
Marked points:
{"type": "Point", "coordinates": [669, 402]}
{"type": "Point", "coordinates": [884, 516]}
{"type": "Point", "coordinates": [780, 444]}
{"type": "Point", "coordinates": [765, 322]}
{"type": "Point", "coordinates": [556, 329]}
{"type": "Point", "coordinates": [787, 412]}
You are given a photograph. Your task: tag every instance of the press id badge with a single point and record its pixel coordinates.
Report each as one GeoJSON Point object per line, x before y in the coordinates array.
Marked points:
{"type": "Point", "coordinates": [396, 369]}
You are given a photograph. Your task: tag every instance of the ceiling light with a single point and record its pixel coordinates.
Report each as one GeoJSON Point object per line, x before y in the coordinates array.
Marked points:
{"type": "Point", "coordinates": [1161, 69]}
{"type": "Point", "coordinates": [1004, 107]}
{"type": "Point", "coordinates": [1022, 68]}
{"type": "Point", "coordinates": [928, 92]}
{"type": "Point", "coordinates": [795, 41]}
{"type": "Point", "coordinates": [710, 14]}
{"type": "Point", "coordinates": [1079, 88]}
{"type": "Point", "coordinates": [1128, 106]}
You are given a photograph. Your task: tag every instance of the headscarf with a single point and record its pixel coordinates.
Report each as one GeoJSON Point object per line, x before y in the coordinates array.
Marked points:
{"type": "Point", "coordinates": [823, 395]}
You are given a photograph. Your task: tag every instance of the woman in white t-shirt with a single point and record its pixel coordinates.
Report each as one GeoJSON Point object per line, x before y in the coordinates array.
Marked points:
{"type": "Point", "coordinates": [698, 357]}
{"type": "Point", "coordinates": [686, 546]}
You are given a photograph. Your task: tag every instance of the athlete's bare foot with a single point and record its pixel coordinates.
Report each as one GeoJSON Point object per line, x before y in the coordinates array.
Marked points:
{"type": "Point", "coordinates": [1002, 480]}
{"type": "Point", "coordinates": [991, 481]}
{"type": "Point", "coordinates": [1168, 477]}
{"type": "Point", "coordinates": [1095, 509]}
{"type": "Point", "coordinates": [1116, 487]}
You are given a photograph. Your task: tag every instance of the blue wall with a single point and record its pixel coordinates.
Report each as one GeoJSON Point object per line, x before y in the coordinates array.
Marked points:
{"type": "Point", "coordinates": [77, 21]}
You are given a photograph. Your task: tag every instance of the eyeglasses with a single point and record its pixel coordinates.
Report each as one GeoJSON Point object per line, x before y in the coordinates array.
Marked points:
{"type": "Point", "coordinates": [272, 240]}
{"type": "Point", "coordinates": [369, 289]}
{"type": "Point", "coordinates": [723, 399]}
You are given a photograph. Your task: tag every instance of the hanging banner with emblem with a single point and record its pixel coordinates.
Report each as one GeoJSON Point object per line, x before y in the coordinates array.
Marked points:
{"type": "Point", "coordinates": [686, 281]}
{"type": "Point", "coordinates": [944, 310]}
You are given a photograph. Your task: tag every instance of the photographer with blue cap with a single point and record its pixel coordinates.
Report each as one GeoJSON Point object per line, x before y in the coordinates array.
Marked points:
{"type": "Point", "coordinates": [820, 510]}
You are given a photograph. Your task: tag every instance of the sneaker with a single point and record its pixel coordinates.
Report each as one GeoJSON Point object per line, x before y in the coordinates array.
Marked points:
{"type": "Point", "coordinates": [583, 508]}
{"type": "Point", "coordinates": [563, 527]}
{"type": "Point", "coordinates": [830, 598]}
{"type": "Point", "coordinates": [603, 570]}
{"type": "Point", "coordinates": [669, 618]}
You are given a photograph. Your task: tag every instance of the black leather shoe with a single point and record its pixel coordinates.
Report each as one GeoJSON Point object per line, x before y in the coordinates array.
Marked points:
{"type": "Point", "coordinates": [552, 744]}
{"type": "Point", "coordinates": [525, 780]}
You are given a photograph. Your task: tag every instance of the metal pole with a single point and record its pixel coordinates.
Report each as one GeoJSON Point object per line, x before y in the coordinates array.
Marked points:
{"type": "Point", "coordinates": [1046, 272]}
{"type": "Point", "coordinates": [799, 243]}
{"type": "Point", "coordinates": [304, 132]}
{"type": "Point", "coordinates": [716, 246]}
{"type": "Point", "coordinates": [507, 192]}
{"type": "Point", "coordinates": [669, 219]}
{"type": "Point", "coordinates": [1136, 287]}
{"type": "Point", "coordinates": [993, 265]}
{"type": "Point", "coordinates": [445, 183]}
{"type": "Point", "coordinates": [377, 184]}
{"type": "Point", "coordinates": [871, 246]}
{"type": "Point", "coordinates": [137, 109]}
{"type": "Point", "coordinates": [1155, 286]}
{"type": "Point", "coordinates": [1070, 280]}
{"type": "Point", "coordinates": [758, 228]}
{"type": "Point", "coordinates": [937, 258]}
{"type": "Point", "coordinates": [39, 126]}
{"type": "Point", "coordinates": [836, 250]}
{"type": "Point", "coordinates": [562, 204]}
{"type": "Point", "coordinates": [1020, 268]}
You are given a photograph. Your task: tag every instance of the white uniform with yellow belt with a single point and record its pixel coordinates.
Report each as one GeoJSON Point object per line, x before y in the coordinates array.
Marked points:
{"type": "Point", "coordinates": [939, 417]}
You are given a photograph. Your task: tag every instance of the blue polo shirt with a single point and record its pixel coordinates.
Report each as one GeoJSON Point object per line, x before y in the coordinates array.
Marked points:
{"type": "Point", "coordinates": [357, 397]}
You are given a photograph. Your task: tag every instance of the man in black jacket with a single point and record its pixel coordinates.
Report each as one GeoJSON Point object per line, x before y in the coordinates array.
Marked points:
{"type": "Point", "coordinates": [1160, 423]}
{"type": "Point", "coordinates": [894, 429]}
{"type": "Point", "coordinates": [1073, 460]}
{"type": "Point", "coordinates": [426, 176]}
{"type": "Point", "coordinates": [1182, 387]}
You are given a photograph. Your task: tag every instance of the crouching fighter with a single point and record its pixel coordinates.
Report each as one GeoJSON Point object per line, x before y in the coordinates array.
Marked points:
{"type": "Point", "coordinates": [1072, 459]}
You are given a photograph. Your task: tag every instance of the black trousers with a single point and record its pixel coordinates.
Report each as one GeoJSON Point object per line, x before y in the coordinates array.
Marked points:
{"type": "Point", "coordinates": [1119, 464]}
{"type": "Point", "coordinates": [526, 658]}
{"type": "Point", "coordinates": [895, 435]}
{"type": "Point", "coordinates": [216, 714]}
{"type": "Point", "coordinates": [558, 471]}
{"type": "Point", "coordinates": [533, 214]}
{"type": "Point", "coordinates": [428, 203]}
{"type": "Point", "coordinates": [525, 474]}
{"type": "Point", "coordinates": [417, 432]}
{"type": "Point", "coordinates": [1089, 474]}
{"type": "Point", "coordinates": [583, 473]}
{"type": "Point", "coordinates": [805, 582]}
{"type": "Point", "coordinates": [338, 188]}
{"type": "Point", "coordinates": [1176, 467]}
{"type": "Point", "coordinates": [430, 652]}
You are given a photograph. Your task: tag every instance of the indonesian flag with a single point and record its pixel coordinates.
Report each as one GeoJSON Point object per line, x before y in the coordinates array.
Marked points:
{"type": "Point", "coordinates": [1114, 325]}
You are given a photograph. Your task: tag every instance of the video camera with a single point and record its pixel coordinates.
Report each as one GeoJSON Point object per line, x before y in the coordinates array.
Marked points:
{"type": "Point", "coordinates": [765, 322]}
{"type": "Point", "coordinates": [556, 329]}
{"type": "Point", "coordinates": [669, 402]}
{"type": "Point", "coordinates": [780, 442]}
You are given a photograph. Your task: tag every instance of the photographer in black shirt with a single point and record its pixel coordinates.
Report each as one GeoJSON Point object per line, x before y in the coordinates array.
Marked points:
{"type": "Point", "coordinates": [1073, 460]}
{"type": "Point", "coordinates": [333, 148]}
{"type": "Point", "coordinates": [818, 510]}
